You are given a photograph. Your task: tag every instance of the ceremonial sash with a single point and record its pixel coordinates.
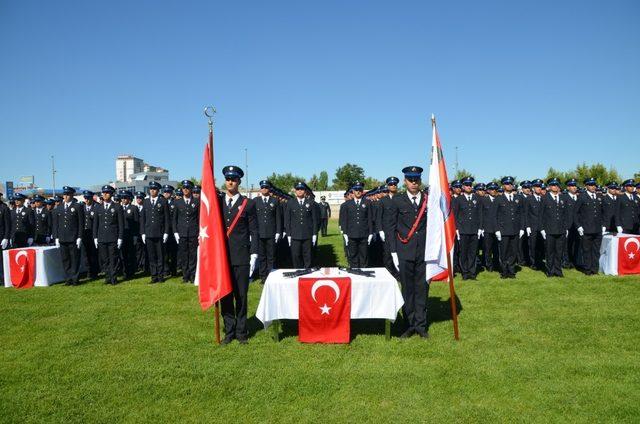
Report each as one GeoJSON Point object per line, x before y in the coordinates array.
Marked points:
{"type": "Point", "coordinates": [235, 220]}
{"type": "Point", "coordinates": [414, 227]}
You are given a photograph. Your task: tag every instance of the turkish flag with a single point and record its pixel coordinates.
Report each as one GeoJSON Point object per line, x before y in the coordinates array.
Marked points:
{"type": "Point", "coordinates": [628, 255]}
{"type": "Point", "coordinates": [22, 267]}
{"type": "Point", "coordinates": [213, 274]}
{"type": "Point", "coordinates": [324, 310]}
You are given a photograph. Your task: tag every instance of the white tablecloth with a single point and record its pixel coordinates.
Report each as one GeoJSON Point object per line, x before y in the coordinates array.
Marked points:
{"type": "Point", "coordinates": [609, 253]}
{"type": "Point", "coordinates": [48, 266]}
{"type": "Point", "coordinates": [376, 297]}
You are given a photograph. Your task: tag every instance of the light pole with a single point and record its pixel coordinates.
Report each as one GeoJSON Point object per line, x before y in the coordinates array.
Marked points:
{"type": "Point", "coordinates": [53, 175]}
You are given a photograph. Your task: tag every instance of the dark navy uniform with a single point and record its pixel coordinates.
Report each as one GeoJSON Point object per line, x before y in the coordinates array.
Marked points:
{"type": "Point", "coordinates": [90, 250]}
{"type": "Point", "coordinates": [154, 227]}
{"type": "Point", "coordinates": [554, 225]}
{"type": "Point", "coordinates": [325, 215]}
{"type": "Point", "coordinates": [171, 246]}
{"type": "Point", "coordinates": [358, 228]}
{"type": "Point", "coordinates": [571, 258]}
{"type": "Point", "coordinates": [301, 225]}
{"type": "Point", "coordinates": [489, 227]}
{"type": "Point", "coordinates": [609, 207]}
{"type": "Point", "coordinates": [42, 223]}
{"type": "Point", "coordinates": [533, 224]}
{"type": "Point", "coordinates": [142, 264]}
{"type": "Point", "coordinates": [186, 220]}
{"type": "Point", "coordinates": [5, 232]}
{"type": "Point", "coordinates": [22, 223]}
{"type": "Point", "coordinates": [108, 232]}
{"type": "Point", "coordinates": [627, 210]}
{"type": "Point", "coordinates": [467, 211]}
{"type": "Point", "coordinates": [268, 212]}
{"type": "Point", "coordinates": [385, 204]}
{"type": "Point", "coordinates": [130, 235]}
{"type": "Point", "coordinates": [510, 227]}
{"type": "Point", "coordinates": [590, 221]}
{"type": "Point", "coordinates": [68, 221]}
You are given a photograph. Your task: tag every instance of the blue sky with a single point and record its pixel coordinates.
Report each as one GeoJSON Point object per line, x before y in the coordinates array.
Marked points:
{"type": "Point", "coordinates": [306, 87]}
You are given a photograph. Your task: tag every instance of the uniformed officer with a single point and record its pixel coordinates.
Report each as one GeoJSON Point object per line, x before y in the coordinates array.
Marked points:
{"type": "Point", "coordinates": [301, 224]}
{"type": "Point", "coordinates": [90, 251]}
{"type": "Point", "coordinates": [554, 228]}
{"type": "Point", "coordinates": [142, 263]}
{"type": "Point", "coordinates": [590, 222]}
{"type": "Point", "coordinates": [186, 219]}
{"type": "Point", "coordinates": [490, 242]}
{"type": "Point", "coordinates": [325, 215]}
{"type": "Point", "coordinates": [196, 191]}
{"type": "Point", "coordinates": [609, 206]}
{"type": "Point", "coordinates": [108, 232]}
{"type": "Point", "coordinates": [42, 222]}
{"type": "Point", "coordinates": [21, 223]}
{"type": "Point", "coordinates": [467, 212]}
{"type": "Point", "coordinates": [533, 225]}
{"type": "Point", "coordinates": [509, 227]}
{"type": "Point", "coordinates": [269, 228]}
{"type": "Point", "coordinates": [358, 227]}
{"type": "Point", "coordinates": [456, 190]}
{"type": "Point", "coordinates": [130, 234]}
{"type": "Point", "coordinates": [627, 212]}
{"type": "Point", "coordinates": [5, 232]}
{"type": "Point", "coordinates": [68, 220]}
{"type": "Point", "coordinates": [408, 249]}
{"type": "Point", "coordinates": [239, 214]}
{"type": "Point", "coordinates": [571, 255]}
{"type": "Point", "coordinates": [523, 242]}
{"type": "Point", "coordinates": [171, 247]}
{"type": "Point", "coordinates": [385, 204]}
{"type": "Point", "coordinates": [154, 226]}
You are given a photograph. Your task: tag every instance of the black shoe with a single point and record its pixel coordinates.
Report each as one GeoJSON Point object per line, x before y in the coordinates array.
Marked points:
{"type": "Point", "coordinates": [153, 280]}
{"type": "Point", "coordinates": [243, 340]}
{"type": "Point", "coordinates": [160, 280]}
{"type": "Point", "coordinates": [410, 332]}
{"type": "Point", "coordinates": [422, 333]}
{"type": "Point", "coordinates": [504, 276]}
{"type": "Point", "coordinates": [227, 340]}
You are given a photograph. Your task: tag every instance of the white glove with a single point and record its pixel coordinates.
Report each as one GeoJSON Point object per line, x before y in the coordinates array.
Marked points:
{"type": "Point", "coordinates": [543, 233]}
{"type": "Point", "coordinates": [396, 261]}
{"type": "Point", "coordinates": [482, 232]}
{"type": "Point", "coordinates": [144, 239]}
{"type": "Point", "coordinates": [277, 237]}
{"type": "Point", "coordinates": [566, 234]}
{"type": "Point", "coordinates": [95, 241]}
{"type": "Point", "coordinates": [382, 237]}
{"type": "Point", "coordinates": [457, 234]}
{"type": "Point", "coordinates": [619, 229]}
{"type": "Point", "coordinates": [177, 237]}
{"type": "Point", "coordinates": [528, 231]}
{"type": "Point", "coordinates": [284, 234]}
{"type": "Point", "coordinates": [581, 231]}
{"type": "Point", "coordinates": [289, 240]}
{"type": "Point", "coordinates": [604, 230]}
{"type": "Point", "coordinates": [346, 239]}
{"type": "Point", "coordinates": [30, 241]}
{"type": "Point", "coordinates": [4, 243]}
{"type": "Point", "coordinates": [47, 239]}
{"type": "Point", "coordinates": [78, 243]}
{"type": "Point", "coordinates": [520, 233]}
{"type": "Point", "coordinates": [119, 243]}
{"type": "Point", "coordinates": [479, 233]}
{"type": "Point", "coordinates": [499, 235]}
{"type": "Point", "coordinates": [369, 239]}
{"type": "Point", "coordinates": [314, 238]}
{"type": "Point", "coordinates": [57, 242]}
{"type": "Point", "coordinates": [165, 237]}
{"type": "Point", "coordinates": [252, 263]}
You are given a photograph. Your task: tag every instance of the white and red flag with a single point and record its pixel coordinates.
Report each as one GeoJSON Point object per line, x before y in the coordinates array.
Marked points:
{"type": "Point", "coordinates": [22, 267]}
{"type": "Point", "coordinates": [324, 310]}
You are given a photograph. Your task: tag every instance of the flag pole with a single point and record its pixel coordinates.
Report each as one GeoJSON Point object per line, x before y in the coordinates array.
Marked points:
{"type": "Point", "coordinates": [209, 111]}
{"type": "Point", "coordinates": [452, 291]}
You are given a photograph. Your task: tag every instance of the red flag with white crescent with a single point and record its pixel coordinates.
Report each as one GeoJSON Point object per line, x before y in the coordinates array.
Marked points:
{"type": "Point", "coordinates": [22, 267]}
{"type": "Point", "coordinates": [213, 274]}
{"type": "Point", "coordinates": [324, 310]}
{"type": "Point", "coordinates": [628, 255]}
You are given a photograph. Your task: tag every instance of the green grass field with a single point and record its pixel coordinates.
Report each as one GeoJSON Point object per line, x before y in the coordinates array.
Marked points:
{"type": "Point", "coordinates": [531, 349]}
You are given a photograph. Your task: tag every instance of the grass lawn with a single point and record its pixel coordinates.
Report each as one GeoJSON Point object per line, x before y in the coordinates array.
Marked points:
{"type": "Point", "coordinates": [531, 349]}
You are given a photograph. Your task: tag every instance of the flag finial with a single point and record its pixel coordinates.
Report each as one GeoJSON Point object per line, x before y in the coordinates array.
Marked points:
{"type": "Point", "coordinates": [209, 111]}
{"type": "Point", "coordinates": [433, 120]}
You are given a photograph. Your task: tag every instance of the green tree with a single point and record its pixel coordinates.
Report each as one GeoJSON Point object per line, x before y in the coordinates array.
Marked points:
{"type": "Point", "coordinates": [313, 182]}
{"type": "Point", "coordinates": [461, 174]}
{"type": "Point", "coordinates": [371, 183]}
{"type": "Point", "coordinates": [601, 173]}
{"type": "Point", "coordinates": [285, 182]}
{"type": "Point", "coordinates": [323, 181]}
{"type": "Point", "coordinates": [346, 175]}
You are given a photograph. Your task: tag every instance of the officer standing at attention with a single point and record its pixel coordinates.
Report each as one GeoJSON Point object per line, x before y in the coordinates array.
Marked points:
{"type": "Point", "coordinates": [325, 214]}
{"type": "Point", "coordinates": [523, 243]}
{"type": "Point", "coordinates": [590, 222]}
{"type": "Point", "coordinates": [186, 224]}
{"type": "Point", "coordinates": [490, 242]}
{"type": "Point", "coordinates": [130, 235]}
{"type": "Point", "coordinates": [609, 206]}
{"type": "Point", "coordinates": [5, 231]}
{"type": "Point", "coordinates": [509, 227]}
{"type": "Point", "coordinates": [571, 253]}
{"type": "Point", "coordinates": [170, 246]}
{"type": "Point", "coordinates": [21, 223]}
{"type": "Point", "coordinates": [627, 219]}
{"type": "Point", "coordinates": [268, 212]}
{"type": "Point", "coordinates": [358, 227]}
{"type": "Point", "coordinates": [554, 228]}
{"type": "Point", "coordinates": [108, 231]}
{"type": "Point", "coordinates": [90, 252]}
{"type": "Point", "coordinates": [533, 224]}
{"type": "Point", "coordinates": [154, 226]}
{"type": "Point", "coordinates": [68, 223]}
{"type": "Point", "coordinates": [467, 211]}
{"type": "Point", "coordinates": [42, 222]}
{"type": "Point", "coordinates": [239, 215]}
{"type": "Point", "coordinates": [301, 224]}
{"type": "Point", "coordinates": [405, 226]}
{"type": "Point", "coordinates": [141, 251]}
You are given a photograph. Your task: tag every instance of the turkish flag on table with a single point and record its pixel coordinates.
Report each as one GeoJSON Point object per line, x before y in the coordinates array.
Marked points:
{"type": "Point", "coordinates": [628, 255]}
{"type": "Point", "coordinates": [324, 310]}
{"type": "Point", "coordinates": [22, 267]}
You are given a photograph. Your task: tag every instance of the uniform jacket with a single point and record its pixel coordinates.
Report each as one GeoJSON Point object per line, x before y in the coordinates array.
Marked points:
{"type": "Point", "coordinates": [68, 224]}
{"type": "Point", "coordinates": [108, 223]}
{"type": "Point", "coordinates": [154, 220]}
{"type": "Point", "coordinates": [186, 218]}
{"type": "Point", "coordinates": [243, 240]}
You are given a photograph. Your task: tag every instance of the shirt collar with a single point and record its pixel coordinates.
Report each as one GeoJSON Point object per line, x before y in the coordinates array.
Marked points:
{"type": "Point", "coordinates": [418, 196]}
{"type": "Point", "coordinates": [234, 198]}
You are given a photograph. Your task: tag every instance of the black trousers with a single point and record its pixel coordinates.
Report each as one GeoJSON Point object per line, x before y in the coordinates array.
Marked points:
{"type": "Point", "coordinates": [301, 253]}
{"type": "Point", "coordinates": [468, 252]}
{"type": "Point", "coordinates": [91, 254]}
{"type": "Point", "coordinates": [155, 250]}
{"type": "Point", "coordinates": [128, 252]}
{"type": "Point", "coordinates": [188, 254]}
{"type": "Point", "coordinates": [323, 225]}
{"type": "Point", "coordinates": [266, 254]}
{"type": "Point", "coordinates": [358, 250]}
{"type": "Point", "coordinates": [414, 291]}
{"type": "Point", "coordinates": [536, 249]}
{"type": "Point", "coordinates": [234, 305]}
{"type": "Point", "coordinates": [388, 261]}
{"type": "Point", "coordinates": [631, 230]}
{"type": "Point", "coordinates": [572, 253]}
{"type": "Point", "coordinates": [70, 261]}
{"type": "Point", "coordinates": [590, 244]}
{"type": "Point", "coordinates": [170, 257]}
{"type": "Point", "coordinates": [142, 263]}
{"type": "Point", "coordinates": [554, 249]}
{"type": "Point", "coordinates": [508, 255]}
{"type": "Point", "coordinates": [491, 252]}
{"type": "Point", "coordinates": [40, 240]}
{"type": "Point", "coordinates": [19, 240]}
{"type": "Point", "coordinates": [109, 258]}
{"type": "Point", "coordinates": [523, 247]}
{"type": "Point", "coordinates": [456, 255]}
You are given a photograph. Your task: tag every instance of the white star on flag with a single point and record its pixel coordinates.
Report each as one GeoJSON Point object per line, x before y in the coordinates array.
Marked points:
{"type": "Point", "coordinates": [632, 255]}
{"type": "Point", "coordinates": [203, 233]}
{"type": "Point", "coordinates": [325, 309]}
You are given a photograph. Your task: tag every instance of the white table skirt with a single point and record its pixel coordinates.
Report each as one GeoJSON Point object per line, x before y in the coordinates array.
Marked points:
{"type": "Point", "coordinates": [376, 297]}
{"type": "Point", "coordinates": [48, 266]}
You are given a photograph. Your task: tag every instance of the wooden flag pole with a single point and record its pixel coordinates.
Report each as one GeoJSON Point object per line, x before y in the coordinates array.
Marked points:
{"type": "Point", "coordinates": [209, 112]}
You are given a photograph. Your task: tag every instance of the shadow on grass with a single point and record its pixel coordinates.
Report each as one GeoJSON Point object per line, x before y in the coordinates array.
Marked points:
{"type": "Point", "coordinates": [325, 255]}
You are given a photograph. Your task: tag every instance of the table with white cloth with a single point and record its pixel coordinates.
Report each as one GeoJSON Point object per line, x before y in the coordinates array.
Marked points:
{"type": "Point", "coordinates": [376, 297]}
{"type": "Point", "coordinates": [49, 268]}
{"type": "Point", "coordinates": [609, 251]}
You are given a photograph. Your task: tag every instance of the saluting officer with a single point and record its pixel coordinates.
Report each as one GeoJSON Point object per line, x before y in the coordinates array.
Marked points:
{"type": "Point", "coordinates": [68, 220]}
{"type": "Point", "coordinates": [239, 214]}
{"type": "Point", "coordinates": [186, 219]}
{"type": "Point", "coordinates": [170, 246]}
{"type": "Point", "coordinates": [21, 223]}
{"type": "Point", "coordinates": [108, 230]}
{"type": "Point", "coordinates": [90, 250]}
{"type": "Point", "coordinates": [590, 222]}
{"type": "Point", "coordinates": [42, 222]}
{"type": "Point", "coordinates": [468, 215]}
{"type": "Point", "coordinates": [554, 228]}
{"type": "Point", "coordinates": [301, 224]}
{"type": "Point", "coordinates": [325, 214]}
{"type": "Point", "coordinates": [627, 216]}
{"type": "Point", "coordinates": [269, 228]}
{"type": "Point", "coordinates": [130, 234]}
{"type": "Point", "coordinates": [609, 206]}
{"type": "Point", "coordinates": [154, 226]}
{"type": "Point", "coordinates": [407, 212]}
{"type": "Point", "coordinates": [358, 227]}
{"type": "Point", "coordinates": [509, 227]}
{"type": "Point", "coordinates": [533, 224]}
{"type": "Point", "coordinates": [489, 228]}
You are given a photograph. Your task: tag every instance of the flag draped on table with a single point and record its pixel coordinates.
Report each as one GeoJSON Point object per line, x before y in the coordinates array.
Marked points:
{"type": "Point", "coordinates": [324, 310]}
